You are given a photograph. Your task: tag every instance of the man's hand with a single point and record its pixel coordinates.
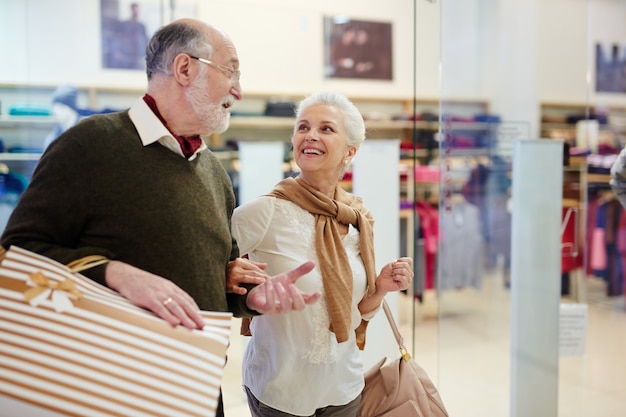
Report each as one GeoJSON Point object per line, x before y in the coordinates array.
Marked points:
{"type": "Point", "coordinates": [157, 294]}
{"type": "Point", "coordinates": [244, 271]}
{"type": "Point", "coordinates": [280, 295]}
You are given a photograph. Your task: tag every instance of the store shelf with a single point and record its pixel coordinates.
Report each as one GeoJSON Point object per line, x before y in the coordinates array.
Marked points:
{"type": "Point", "coordinates": [598, 178]}
{"type": "Point", "coordinates": [7, 121]}
{"type": "Point", "coordinates": [261, 122]}
{"type": "Point", "coordinates": [554, 117]}
{"type": "Point", "coordinates": [571, 203]}
{"type": "Point", "coordinates": [17, 156]}
{"type": "Point", "coordinates": [272, 122]}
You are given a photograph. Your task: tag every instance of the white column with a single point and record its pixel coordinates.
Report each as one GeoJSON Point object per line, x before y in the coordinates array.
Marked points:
{"type": "Point", "coordinates": [535, 277]}
{"type": "Point", "coordinates": [376, 179]}
{"type": "Point", "coordinates": [261, 168]}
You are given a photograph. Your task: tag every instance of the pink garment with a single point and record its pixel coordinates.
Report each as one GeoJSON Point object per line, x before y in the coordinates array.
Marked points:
{"type": "Point", "coordinates": [598, 259]}
{"type": "Point", "coordinates": [429, 223]}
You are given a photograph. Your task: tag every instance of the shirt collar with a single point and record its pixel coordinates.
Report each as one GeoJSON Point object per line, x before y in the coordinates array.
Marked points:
{"type": "Point", "coordinates": [151, 129]}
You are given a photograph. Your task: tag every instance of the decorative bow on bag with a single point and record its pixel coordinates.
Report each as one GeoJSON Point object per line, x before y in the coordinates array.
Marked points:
{"type": "Point", "coordinates": [59, 291]}
{"type": "Point", "coordinates": [42, 287]}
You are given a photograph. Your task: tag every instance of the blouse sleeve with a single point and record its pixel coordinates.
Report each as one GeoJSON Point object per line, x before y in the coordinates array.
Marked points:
{"type": "Point", "coordinates": [250, 222]}
{"type": "Point", "coordinates": [370, 315]}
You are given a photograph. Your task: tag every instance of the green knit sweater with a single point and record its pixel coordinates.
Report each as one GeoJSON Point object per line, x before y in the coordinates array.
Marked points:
{"type": "Point", "coordinates": [98, 190]}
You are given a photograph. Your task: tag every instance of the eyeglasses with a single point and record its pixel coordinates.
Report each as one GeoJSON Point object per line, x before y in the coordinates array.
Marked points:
{"type": "Point", "coordinates": [231, 73]}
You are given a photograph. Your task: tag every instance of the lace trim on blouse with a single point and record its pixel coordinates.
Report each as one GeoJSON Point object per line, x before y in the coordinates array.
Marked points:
{"type": "Point", "coordinates": [323, 345]}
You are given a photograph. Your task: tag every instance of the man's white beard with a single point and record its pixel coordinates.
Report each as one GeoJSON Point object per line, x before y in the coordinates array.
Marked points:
{"type": "Point", "coordinates": [214, 117]}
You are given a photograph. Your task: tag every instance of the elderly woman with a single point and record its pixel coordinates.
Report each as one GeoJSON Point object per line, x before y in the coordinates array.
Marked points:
{"type": "Point", "coordinates": [306, 362]}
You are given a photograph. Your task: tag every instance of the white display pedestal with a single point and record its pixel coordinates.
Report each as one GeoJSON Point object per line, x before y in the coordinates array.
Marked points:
{"type": "Point", "coordinates": [536, 277]}
{"type": "Point", "coordinates": [261, 168]}
{"type": "Point", "coordinates": [376, 179]}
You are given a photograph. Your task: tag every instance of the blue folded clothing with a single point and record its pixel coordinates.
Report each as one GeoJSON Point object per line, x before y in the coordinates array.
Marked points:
{"type": "Point", "coordinates": [24, 149]}
{"type": "Point", "coordinates": [29, 109]}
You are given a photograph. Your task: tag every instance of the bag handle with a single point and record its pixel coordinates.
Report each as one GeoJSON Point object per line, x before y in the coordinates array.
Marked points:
{"type": "Point", "coordinates": [87, 262]}
{"type": "Point", "coordinates": [404, 352]}
{"type": "Point", "coordinates": [78, 265]}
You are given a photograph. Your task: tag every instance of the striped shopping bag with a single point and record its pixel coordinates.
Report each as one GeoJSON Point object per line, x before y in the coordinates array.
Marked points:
{"type": "Point", "coordinates": [69, 346]}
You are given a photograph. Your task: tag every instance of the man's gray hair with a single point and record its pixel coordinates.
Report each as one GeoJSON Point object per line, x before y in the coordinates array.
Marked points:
{"type": "Point", "coordinates": [171, 40]}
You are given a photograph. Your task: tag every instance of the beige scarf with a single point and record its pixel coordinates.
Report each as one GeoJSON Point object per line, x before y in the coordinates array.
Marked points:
{"type": "Point", "coordinates": [333, 262]}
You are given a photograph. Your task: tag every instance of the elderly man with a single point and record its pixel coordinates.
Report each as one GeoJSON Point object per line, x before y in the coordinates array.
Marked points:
{"type": "Point", "coordinates": [141, 188]}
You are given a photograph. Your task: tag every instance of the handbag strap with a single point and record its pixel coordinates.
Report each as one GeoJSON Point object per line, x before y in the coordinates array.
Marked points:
{"type": "Point", "coordinates": [394, 328]}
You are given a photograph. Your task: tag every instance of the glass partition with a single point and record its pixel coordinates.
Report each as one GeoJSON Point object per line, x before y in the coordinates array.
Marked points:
{"type": "Point", "coordinates": [490, 309]}
{"type": "Point", "coordinates": [485, 54]}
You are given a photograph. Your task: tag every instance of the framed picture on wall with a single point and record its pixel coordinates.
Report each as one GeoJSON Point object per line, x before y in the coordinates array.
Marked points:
{"type": "Point", "coordinates": [610, 68]}
{"type": "Point", "coordinates": [357, 48]}
{"type": "Point", "coordinates": [126, 27]}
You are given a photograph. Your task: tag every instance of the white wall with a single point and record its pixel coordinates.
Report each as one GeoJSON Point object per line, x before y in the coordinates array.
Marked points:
{"type": "Point", "coordinates": [563, 55]}
{"type": "Point", "coordinates": [56, 42]}
{"type": "Point", "coordinates": [516, 54]}
{"type": "Point", "coordinates": [569, 31]}
{"type": "Point", "coordinates": [280, 44]}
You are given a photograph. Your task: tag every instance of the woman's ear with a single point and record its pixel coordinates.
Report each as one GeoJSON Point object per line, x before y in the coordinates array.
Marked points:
{"type": "Point", "coordinates": [350, 154]}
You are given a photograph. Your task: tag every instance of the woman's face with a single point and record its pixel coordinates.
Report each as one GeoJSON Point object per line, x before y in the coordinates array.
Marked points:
{"type": "Point", "coordinates": [320, 141]}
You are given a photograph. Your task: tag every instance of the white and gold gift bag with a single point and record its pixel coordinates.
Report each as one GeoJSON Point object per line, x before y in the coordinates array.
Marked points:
{"type": "Point", "coordinates": [69, 346]}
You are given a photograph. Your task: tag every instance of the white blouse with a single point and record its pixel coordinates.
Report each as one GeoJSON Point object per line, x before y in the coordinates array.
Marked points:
{"type": "Point", "coordinates": [293, 362]}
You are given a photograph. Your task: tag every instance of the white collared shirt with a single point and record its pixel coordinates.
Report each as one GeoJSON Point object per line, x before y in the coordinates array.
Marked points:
{"type": "Point", "coordinates": [151, 129]}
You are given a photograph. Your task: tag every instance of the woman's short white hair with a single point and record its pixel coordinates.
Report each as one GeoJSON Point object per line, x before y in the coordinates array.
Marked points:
{"type": "Point", "coordinates": [353, 120]}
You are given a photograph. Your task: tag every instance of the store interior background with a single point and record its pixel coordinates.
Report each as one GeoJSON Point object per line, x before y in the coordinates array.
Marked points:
{"type": "Point", "coordinates": [508, 58]}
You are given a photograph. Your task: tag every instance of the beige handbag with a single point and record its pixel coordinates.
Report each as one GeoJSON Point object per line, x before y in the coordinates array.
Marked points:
{"type": "Point", "coordinates": [72, 347]}
{"type": "Point", "coordinates": [399, 387]}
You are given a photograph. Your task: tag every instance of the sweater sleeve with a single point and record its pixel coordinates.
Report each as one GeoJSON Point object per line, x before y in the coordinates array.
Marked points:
{"type": "Point", "coordinates": [52, 211]}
